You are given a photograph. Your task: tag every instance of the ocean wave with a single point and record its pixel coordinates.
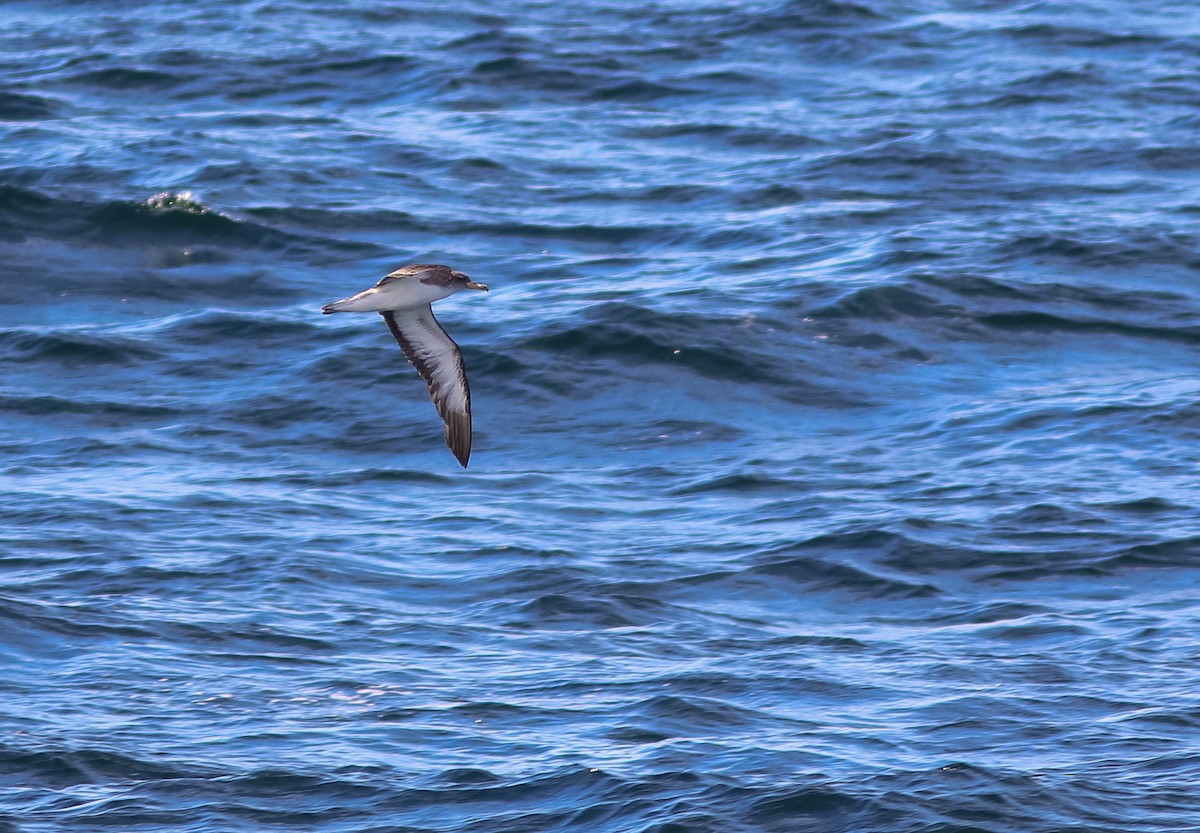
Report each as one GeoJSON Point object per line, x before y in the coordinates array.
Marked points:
{"type": "Point", "coordinates": [76, 348]}
{"type": "Point", "coordinates": [58, 630]}
{"type": "Point", "coordinates": [164, 219]}
{"type": "Point", "coordinates": [1060, 35]}
{"type": "Point", "coordinates": [803, 16]}
{"type": "Point", "coordinates": [816, 573]}
{"type": "Point", "coordinates": [341, 220]}
{"type": "Point", "coordinates": [950, 165]}
{"type": "Point", "coordinates": [184, 74]}
{"type": "Point", "coordinates": [759, 137]}
{"type": "Point", "coordinates": [259, 330]}
{"type": "Point", "coordinates": [28, 107]}
{"type": "Point", "coordinates": [564, 77]}
{"type": "Point", "coordinates": [981, 307]}
{"type": "Point", "coordinates": [169, 216]}
{"type": "Point", "coordinates": [59, 768]}
{"type": "Point", "coordinates": [116, 407]}
{"type": "Point", "coordinates": [1041, 322]}
{"type": "Point", "coordinates": [736, 483]}
{"type": "Point", "coordinates": [581, 612]}
{"type": "Point", "coordinates": [132, 79]}
{"type": "Point", "coordinates": [1105, 249]}
{"type": "Point", "coordinates": [712, 346]}
{"type": "Point", "coordinates": [349, 67]}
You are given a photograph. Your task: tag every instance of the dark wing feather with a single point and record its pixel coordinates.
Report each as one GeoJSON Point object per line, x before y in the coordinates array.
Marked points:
{"type": "Point", "coordinates": [437, 358]}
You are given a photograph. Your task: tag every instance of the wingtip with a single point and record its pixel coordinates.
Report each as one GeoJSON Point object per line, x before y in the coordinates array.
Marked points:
{"type": "Point", "coordinates": [462, 455]}
{"type": "Point", "coordinates": [458, 437]}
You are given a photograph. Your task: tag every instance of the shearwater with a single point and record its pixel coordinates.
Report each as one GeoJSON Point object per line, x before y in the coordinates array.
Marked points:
{"type": "Point", "coordinates": [404, 298]}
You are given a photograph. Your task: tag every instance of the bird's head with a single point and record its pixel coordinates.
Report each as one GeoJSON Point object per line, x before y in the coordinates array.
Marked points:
{"type": "Point", "coordinates": [463, 281]}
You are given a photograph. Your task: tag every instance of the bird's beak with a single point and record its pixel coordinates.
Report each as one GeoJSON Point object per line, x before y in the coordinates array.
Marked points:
{"type": "Point", "coordinates": [473, 285]}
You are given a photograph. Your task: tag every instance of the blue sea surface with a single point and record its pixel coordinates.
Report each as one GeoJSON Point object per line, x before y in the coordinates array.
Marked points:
{"type": "Point", "coordinates": [836, 404]}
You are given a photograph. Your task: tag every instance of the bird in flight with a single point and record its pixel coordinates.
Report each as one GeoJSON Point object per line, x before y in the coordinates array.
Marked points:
{"type": "Point", "coordinates": [404, 299]}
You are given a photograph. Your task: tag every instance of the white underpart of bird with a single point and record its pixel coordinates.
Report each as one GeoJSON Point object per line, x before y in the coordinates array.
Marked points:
{"type": "Point", "coordinates": [404, 299]}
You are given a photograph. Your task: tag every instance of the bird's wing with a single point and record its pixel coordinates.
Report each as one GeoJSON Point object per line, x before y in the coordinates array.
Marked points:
{"type": "Point", "coordinates": [436, 357]}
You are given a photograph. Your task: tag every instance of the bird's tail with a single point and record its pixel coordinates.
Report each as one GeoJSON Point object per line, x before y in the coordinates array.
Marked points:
{"type": "Point", "coordinates": [344, 305]}
{"type": "Point", "coordinates": [367, 301]}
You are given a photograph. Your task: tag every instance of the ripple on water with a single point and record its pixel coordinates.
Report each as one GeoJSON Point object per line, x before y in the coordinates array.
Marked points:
{"type": "Point", "coordinates": [834, 415]}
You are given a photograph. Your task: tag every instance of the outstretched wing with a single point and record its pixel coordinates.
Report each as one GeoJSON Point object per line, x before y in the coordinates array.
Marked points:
{"type": "Point", "coordinates": [436, 357]}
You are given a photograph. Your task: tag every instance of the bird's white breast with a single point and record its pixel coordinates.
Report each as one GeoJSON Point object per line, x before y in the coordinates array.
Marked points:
{"type": "Point", "coordinates": [410, 292]}
{"type": "Point", "coordinates": [401, 294]}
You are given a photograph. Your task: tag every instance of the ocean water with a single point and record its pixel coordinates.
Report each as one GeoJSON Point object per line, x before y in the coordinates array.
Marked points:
{"type": "Point", "coordinates": [837, 415]}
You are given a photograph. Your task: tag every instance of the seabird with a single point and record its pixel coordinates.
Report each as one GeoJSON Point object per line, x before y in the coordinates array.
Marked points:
{"type": "Point", "coordinates": [404, 299]}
